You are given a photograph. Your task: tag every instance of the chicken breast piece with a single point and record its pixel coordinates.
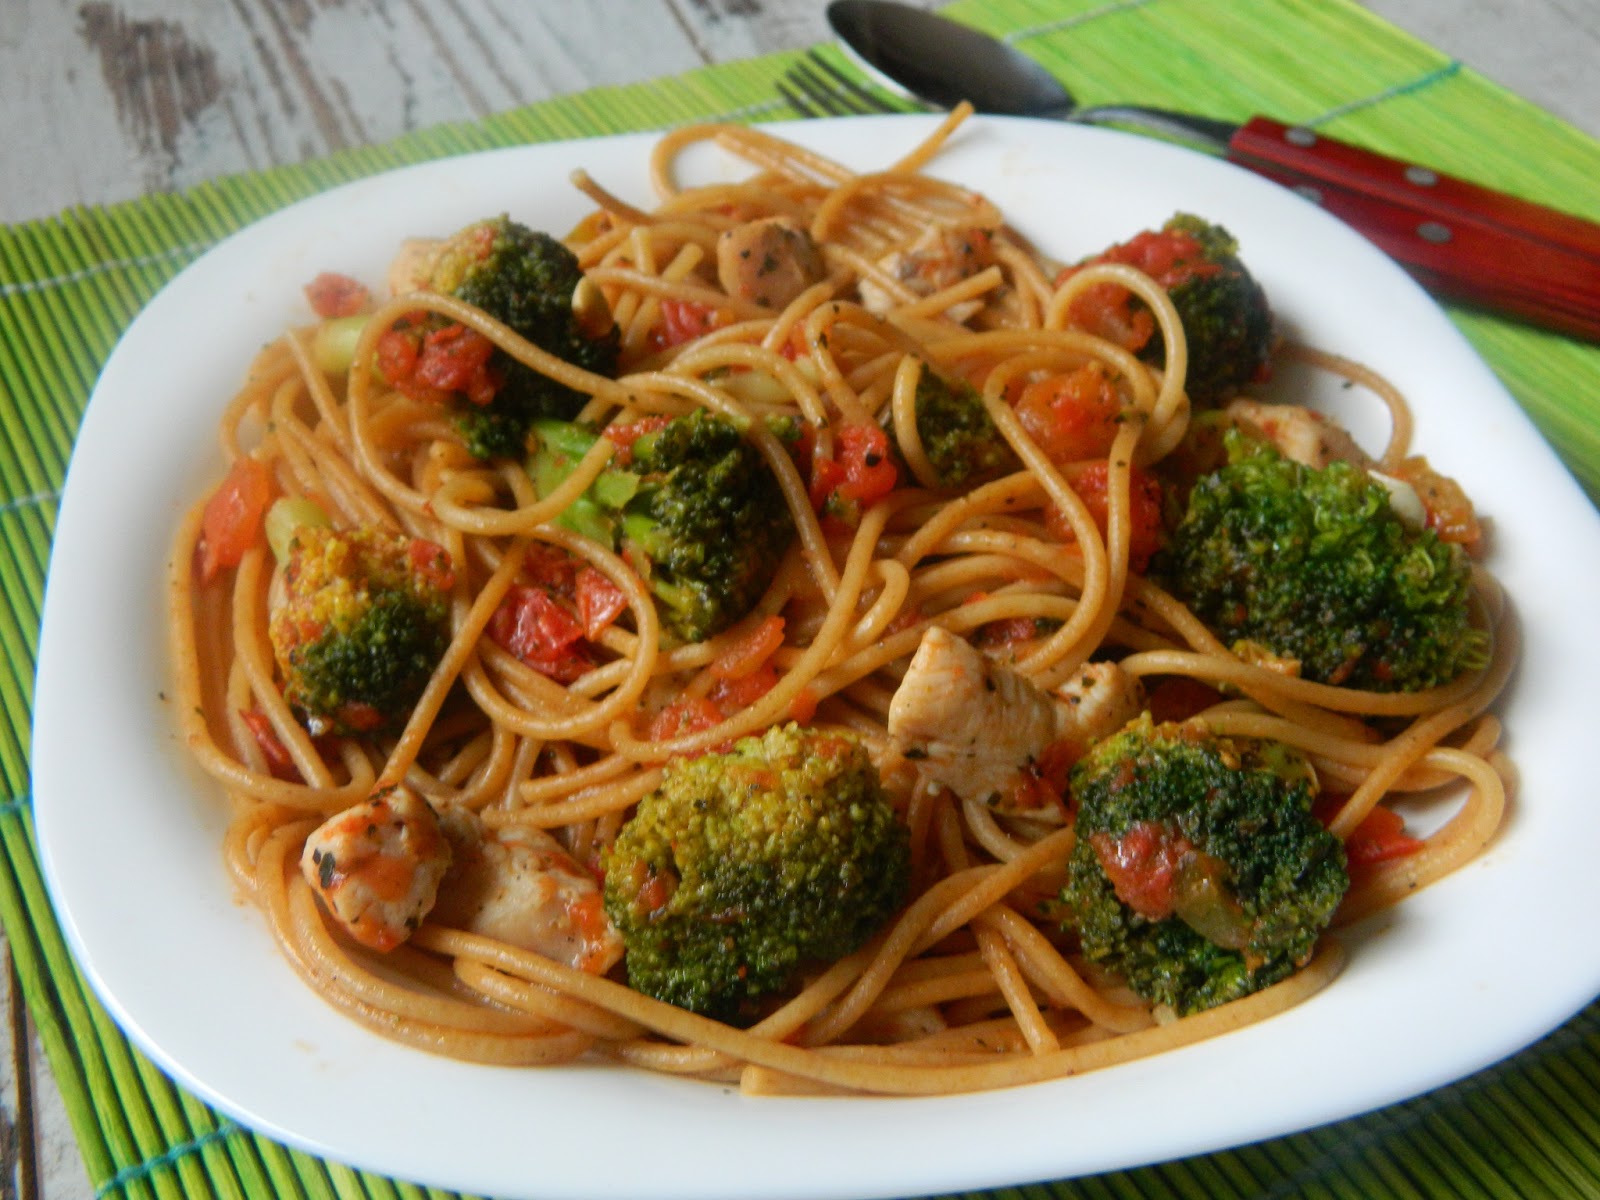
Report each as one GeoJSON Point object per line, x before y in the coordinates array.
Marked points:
{"type": "Point", "coordinates": [408, 272]}
{"type": "Point", "coordinates": [518, 885]}
{"type": "Point", "coordinates": [939, 258]}
{"type": "Point", "coordinates": [978, 728]}
{"type": "Point", "coordinates": [377, 866]}
{"type": "Point", "coordinates": [768, 262]}
{"type": "Point", "coordinates": [1097, 701]}
{"type": "Point", "coordinates": [1301, 434]}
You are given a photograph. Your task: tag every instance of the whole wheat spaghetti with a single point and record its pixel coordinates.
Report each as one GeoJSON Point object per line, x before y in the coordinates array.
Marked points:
{"type": "Point", "coordinates": [975, 982]}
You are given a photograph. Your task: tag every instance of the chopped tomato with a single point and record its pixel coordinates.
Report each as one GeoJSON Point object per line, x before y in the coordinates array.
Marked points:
{"type": "Point", "coordinates": [1111, 311]}
{"type": "Point", "coordinates": [687, 714]}
{"type": "Point", "coordinates": [1142, 865]}
{"type": "Point", "coordinates": [396, 353]}
{"type": "Point", "coordinates": [532, 625]}
{"type": "Point", "coordinates": [803, 707]}
{"type": "Point", "coordinates": [744, 674]}
{"type": "Point", "coordinates": [733, 696]}
{"type": "Point", "coordinates": [433, 366]}
{"type": "Point", "coordinates": [232, 521]}
{"type": "Point", "coordinates": [1168, 256]}
{"type": "Point", "coordinates": [750, 652]}
{"type": "Point", "coordinates": [684, 320]}
{"type": "Point", "coordinates": [430, 563]}
{"type": "Point", "coordinates": [869, 472]}
{"type": "Point", "coordinates": [1072, 416]}
{"type": "Point", "coordinates": [333, 295]}
{"type": "Point", "coordinates": [457, 359]}
{"type": "Point", "coordinates": [855, 476]}
{"type": "Point", "coordinates": [826, 476]}
{"type": "Point", "coordinates": [1381, 836]}
{"type": "Point", "coordinates": [551, 568]}
{"type": "Point", "coordinates": [1042, 784]}
{"type": "Point", "coordinates": [1144, 510]}
{"type": "Point", "coordinates": [600, 602]}
{"type": "Point", "coordinates": [279, 762]}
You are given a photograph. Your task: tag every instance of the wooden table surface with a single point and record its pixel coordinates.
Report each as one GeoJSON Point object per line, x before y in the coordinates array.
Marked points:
{"type": "Point", "coordinates": [106, 100]}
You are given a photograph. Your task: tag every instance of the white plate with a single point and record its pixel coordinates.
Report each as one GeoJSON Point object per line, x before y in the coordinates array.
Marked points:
{"type": "Point", "coordinates": [130, 835]}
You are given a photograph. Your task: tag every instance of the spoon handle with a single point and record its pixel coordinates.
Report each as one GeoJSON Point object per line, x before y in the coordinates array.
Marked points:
{"type": "Point", "coordinates": [1461, 240]}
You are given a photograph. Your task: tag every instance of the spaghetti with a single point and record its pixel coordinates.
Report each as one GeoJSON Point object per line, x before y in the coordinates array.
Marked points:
{"type": "Point", "coordinates": [968, 987]}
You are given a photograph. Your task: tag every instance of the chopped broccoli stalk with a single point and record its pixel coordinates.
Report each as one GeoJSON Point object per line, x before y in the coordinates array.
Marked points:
{"type": "Point", "coordinates": [1199, 873]}
{"type": "Point", "coordinates": [744, 868]}
{"type": "Point", "coordinates": [333, 344]}
{"type": "Point", "coordinates": [961, 441]}
{"type": "Point", "coordinates": [363, 619]}
{"type": "Point", "coordinates": [697, 512]}
{"type": "Point", "coordinates": [1315, 566]}
{"type": "Point", "coordinates": [530, 282]}
{"type": "Point", "coordinates": [593, 514]}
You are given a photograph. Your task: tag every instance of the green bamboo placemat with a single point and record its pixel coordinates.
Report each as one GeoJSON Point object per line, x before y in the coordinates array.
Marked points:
{"type": "Point", "coordinates": [70, 284]}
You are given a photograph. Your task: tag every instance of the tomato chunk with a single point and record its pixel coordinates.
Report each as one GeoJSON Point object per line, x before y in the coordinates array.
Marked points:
{"type": "Point", "coordinates": [233, 518]}
{"type": "Point", "coordinates": [331, 295]}
{"type": "Point", "coordinates": [280, 764]}
{"type": "Point", "coordinates": [684, 320]}
{"type": "Point", "coordinates": [1072, 416]}
{"type": "Point", "coordinates": [600, 602]}
{"type": "Point", "coordinates": [869, 472]}
{"type": "Point", "coordinates": [1142, 865]}
{"type": "Point", "coordinates": [1380, 837]}
{"type": "Point", "coordinates": [1091, 482]}
{"type": "Point", "coordinates": [532, 625]}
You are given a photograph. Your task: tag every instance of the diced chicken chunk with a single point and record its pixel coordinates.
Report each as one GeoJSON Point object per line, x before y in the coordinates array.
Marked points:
{"type": "Point", "coordinates": [1100, 699]}
{"type": "Point", "coordinates": [516, 884]}
{"type": "Point", "coordinates": [979, 728]}
{"type": "Point", "coordinates": [411, 266]}
{"type": "Point", "coordinates": [1300, 434]}
{"type": "Point", "coordinates": [768, 262]}
{"type": "Point", "coordinates": [941, 257]}
{"type": "Point", "coordinates": [377, 866]}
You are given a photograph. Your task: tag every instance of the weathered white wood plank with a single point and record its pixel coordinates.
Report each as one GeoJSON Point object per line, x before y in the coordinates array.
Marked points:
{"type": "Point", "coordinates": [109, 100]}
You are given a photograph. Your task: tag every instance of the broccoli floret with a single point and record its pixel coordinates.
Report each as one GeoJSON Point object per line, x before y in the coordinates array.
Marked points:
{"type": "Point", "coordinates": [744, 868]}
{"type": "Point", "coordinates": [696, 511]}
{"type": "Point", "coordinates": [1199, 873]}
{"type": "Point", "coordinates": [1315, 566]}
{"type": "Point", "coordinates": [362, 621]}
{"type": "Point", "coordinates": [531, 282]}
{"type": "Point", "coordinates": [1226, 318]}
{"type": "Point", "coordinates": [960, 440]}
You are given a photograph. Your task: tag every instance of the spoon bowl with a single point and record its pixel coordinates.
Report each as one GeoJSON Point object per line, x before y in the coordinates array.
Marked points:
{"type": "Point", "coordinates": [942, 63]}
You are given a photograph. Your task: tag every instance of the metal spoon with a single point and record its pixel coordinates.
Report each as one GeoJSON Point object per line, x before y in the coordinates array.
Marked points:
{"type": "Point", "coordinates": [942, 62]}
{"type": "Point", "coordinates": [1461, 240]}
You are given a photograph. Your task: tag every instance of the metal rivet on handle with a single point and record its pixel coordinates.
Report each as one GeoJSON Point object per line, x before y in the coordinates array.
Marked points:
{"type": "Point", "coordinates": [1433, 231]}
{"type": "Point", "coordinates": [1421, 176]}
{"type": "Point", "coordinates": [1299, 136]}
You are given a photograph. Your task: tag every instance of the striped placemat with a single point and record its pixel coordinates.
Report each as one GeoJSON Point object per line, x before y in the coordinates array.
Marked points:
{"type": "Point", "coordinates": [70, 284]}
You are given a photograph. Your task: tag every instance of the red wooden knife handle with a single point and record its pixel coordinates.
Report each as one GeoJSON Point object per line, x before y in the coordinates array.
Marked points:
{"type": "Point", "coordinates": [1463, 241]}
{"type": "Point", "coordinates": [1323, 159]}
